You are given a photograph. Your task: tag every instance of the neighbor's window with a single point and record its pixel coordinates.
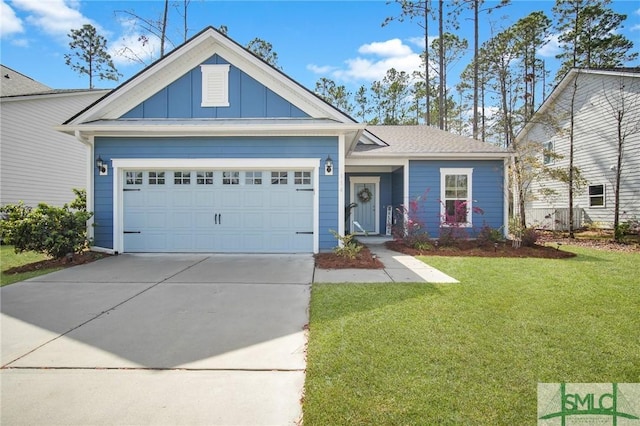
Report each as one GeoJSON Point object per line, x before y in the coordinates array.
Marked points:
{"type": "Point", "coordinates": [596, 195]}
{"type": "Point", "coordinates": [133, 178]}
{"type": "Point", "coordinates": [182, 178]}
{"type": "Point", "coordinates": [231, 178]}
{"type": "Point", "coordinates": [156, 178]}
{"type": "Point", "coordinates": [547, 153]}
{"type": "Point", "coordinates": [279, 178]}
{"type": "Point", "coordinates": [455, 195]}
{"type": "Point", "coordinates": [204, 178]}
{"type": "Point", "coordinates": [215, 85]}
{"type": "Point", "coordinates": [253, 178]}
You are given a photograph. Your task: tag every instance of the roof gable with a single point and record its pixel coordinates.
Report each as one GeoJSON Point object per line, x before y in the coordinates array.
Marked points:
{"type": "Point", "coordinates": [565, 83]}
{"type": "Point", "coordinates": [203, 47]}
{"type": "Point", "coordinates": [247, 98]}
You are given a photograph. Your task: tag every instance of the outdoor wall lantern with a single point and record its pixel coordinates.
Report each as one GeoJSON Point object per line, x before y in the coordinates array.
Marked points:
{"type": "Point", "coordinates": [328, 166]}
{"type": "Point", "coordinates": [101, 166]}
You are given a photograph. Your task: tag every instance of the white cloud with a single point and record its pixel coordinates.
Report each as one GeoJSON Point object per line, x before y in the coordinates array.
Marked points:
{"type": "Point", "coordinates": [551, 48]}
{"type": "Point", "coordinates": [380, 57]}
{"type": "Point", "coordinates": [390, 48]}
{"type": "Point", "coordinates": [635, 27]}
{"type": "Point", "coordinates": [54, 17]}
{"type": "Point", "coordinates": [419, 41]}
{"type": "Point", "coordinates": [132, 48]}
{"type": "Point", "coordinates": [9, 22]}
{"type": "Point", "coordinates": [320, 70]}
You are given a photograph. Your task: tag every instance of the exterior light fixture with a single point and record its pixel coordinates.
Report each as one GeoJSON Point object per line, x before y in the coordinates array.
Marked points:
{"type": "Point", "coordinates": [328, 166]}
{"type": "Point", "coordinates": [101, 166]}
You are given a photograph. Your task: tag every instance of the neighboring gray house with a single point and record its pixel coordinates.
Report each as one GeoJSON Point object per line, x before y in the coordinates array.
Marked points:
{"type": "Point", "coordinates": [37, 163]}
{"type": "Point", "coordinates": [600, 96]}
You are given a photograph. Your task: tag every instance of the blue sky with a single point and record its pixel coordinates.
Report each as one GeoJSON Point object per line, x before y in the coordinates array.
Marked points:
{"type": "Point", "coordinates": [341, 40]}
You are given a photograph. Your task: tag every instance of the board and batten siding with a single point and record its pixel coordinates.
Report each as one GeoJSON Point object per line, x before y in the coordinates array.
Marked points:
{"type": "Point", "coordinates": [39, 164]}
{"type": "Point", "coordinates": [231, 147]}
{"type": "Point", "coordinates": [487, 191]}
{"type": "Point", "coordinates": [595, 147]}
{"type": "Point", "coordinates": [247, 99]}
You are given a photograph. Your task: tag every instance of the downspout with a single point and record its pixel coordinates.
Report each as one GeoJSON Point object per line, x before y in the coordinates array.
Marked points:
{"type": "Point", "coordinates": [505, 185]}
{"type": "Point", "coordinates": [89, 183]}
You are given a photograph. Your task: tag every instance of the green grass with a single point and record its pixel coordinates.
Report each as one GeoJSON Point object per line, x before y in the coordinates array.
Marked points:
{"type": "Point", "coordinates": [9, 259]}
{"type": "Point", "coordinates": [474, 352]}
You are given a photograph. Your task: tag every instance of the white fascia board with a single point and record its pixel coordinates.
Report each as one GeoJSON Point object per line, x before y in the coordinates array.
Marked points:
{"type": "Point", "coordinates": [142, 130]}
{"type": "Point", "coordinates": [379, 161]}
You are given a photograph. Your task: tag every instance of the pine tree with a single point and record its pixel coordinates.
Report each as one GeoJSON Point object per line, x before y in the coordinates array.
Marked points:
{"type": "Point", "coordinates": [90, 55]}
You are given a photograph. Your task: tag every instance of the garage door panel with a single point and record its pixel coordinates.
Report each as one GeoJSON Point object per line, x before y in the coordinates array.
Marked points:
{"type": "Point", "coordinates": [181, 198]}
{"type": "Point", "coordinates": [195, 217]}
{"type": "Point", "coordinates": [253, 220]}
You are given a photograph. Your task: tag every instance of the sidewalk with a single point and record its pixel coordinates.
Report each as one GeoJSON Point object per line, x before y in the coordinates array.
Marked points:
{"type": "Point", "coordinates": [397, 268]}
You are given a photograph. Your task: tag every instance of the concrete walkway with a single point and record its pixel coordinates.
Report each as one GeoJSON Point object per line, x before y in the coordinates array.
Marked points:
{"type": "Point", "coordinates": [158, 340]}
{"type": "Point", "coordinates": [397, 268]}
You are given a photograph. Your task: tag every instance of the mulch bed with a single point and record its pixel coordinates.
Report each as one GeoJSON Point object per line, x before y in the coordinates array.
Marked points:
{"type": "Point", "coordinates": [471, 248]}
{"type": "Point", "coordinates": [65, 262]}
{"type": "Point", "coordinates": [364, 260]}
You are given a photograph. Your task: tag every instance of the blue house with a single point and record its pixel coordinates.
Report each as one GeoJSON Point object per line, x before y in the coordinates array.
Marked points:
{"type": "Point", "coordinates": [211, 149]}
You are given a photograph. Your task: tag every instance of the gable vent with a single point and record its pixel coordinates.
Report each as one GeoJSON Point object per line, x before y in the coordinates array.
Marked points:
{"type": "Point", "coordinates": [215, 85]}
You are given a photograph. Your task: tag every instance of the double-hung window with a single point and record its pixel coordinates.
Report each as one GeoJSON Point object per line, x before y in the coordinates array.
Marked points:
{"type": "Point", "coordinates": [596, 195]}
{"type": "Point", "coordinates": [455, 197]}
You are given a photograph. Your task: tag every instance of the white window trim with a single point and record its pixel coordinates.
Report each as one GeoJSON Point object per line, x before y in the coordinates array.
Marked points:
{"type": "Point", "coordinates": [457, 171]}
{"type": "Point", "coordinates": [120, 165]}
{"type": "Point", "coordinates": [551, 152]}
{"type": "Point", "coordinates": [604, 196]}
{"type": "Point", "coordinates": [215, 75]}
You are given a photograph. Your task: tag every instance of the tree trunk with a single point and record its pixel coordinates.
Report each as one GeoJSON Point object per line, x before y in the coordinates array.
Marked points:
{"type": "Point", "coordinates": [441, 65]}
{"type": "Point", "coordinates": [426, 63]}
{"type": "Point", "coordinates": [163, 30]}
{"type": "Point", "coordinates": [616, 207]}
{"type": "Point", "coordinates": [475, 68]}
{"type": "Point", "coordinates": [571, 146]}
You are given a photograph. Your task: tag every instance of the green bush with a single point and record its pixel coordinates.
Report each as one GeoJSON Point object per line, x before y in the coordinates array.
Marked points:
{"type": "Point", "coordinates": [488, 235]}
{"type": "Point", "coordinates": [529, 237]}
{"type": "Point", "coordinates": [55, 231]}
{"type": "Point", "coordinates": [349, 248]}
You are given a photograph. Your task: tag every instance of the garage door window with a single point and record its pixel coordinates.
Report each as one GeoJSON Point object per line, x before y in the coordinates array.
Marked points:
{"type": "Point", "coordinates": [231, 178]}
{"type": "Point", "coordinates": [156, 178]}
{"type": "Point", "coordinates": [204, 178]}
{"type": "Point", "coordinates": [279, 178]}
{"type": "Point", "coordinates": [182, 178]}
{"type": "Point", "coordinates": [133, 178]}
{"type": "Point", "coordinates": [253, 178]}
{"type": "Point", "coordinates": [302, 178]}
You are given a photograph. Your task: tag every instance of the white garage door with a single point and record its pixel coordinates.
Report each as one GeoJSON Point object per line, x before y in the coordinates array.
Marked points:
{"type": "Point", "coordinates": [241, 211]}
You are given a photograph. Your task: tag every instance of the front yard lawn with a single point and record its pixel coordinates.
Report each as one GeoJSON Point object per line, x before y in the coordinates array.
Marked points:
{"type": "Point", "coordinates": [10, 259]}
{"type": "Point", "coordinates": [474, 352]}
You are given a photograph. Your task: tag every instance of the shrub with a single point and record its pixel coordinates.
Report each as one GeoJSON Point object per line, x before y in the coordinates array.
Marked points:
{"type": "Point", "coordinates": [349, 248]}
{"type": "Point", "coordinates": [488, 235]}
{"type": "Point", "coordinates": [529, 237]}
{"type": "Point", "coordinates": [55, 231]}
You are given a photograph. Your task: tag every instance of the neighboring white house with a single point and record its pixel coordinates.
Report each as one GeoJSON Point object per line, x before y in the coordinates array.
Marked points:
{"type": "Point", "coordinates": [37, 163]}
{"type": "Point", "coordinates": [602, 99]}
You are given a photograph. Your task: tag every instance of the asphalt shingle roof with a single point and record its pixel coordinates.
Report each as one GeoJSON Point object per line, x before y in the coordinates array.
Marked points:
{"type": "Point", "coordinates": [14, 83]}
{"type": "Point", "coordinates": [412, 140]}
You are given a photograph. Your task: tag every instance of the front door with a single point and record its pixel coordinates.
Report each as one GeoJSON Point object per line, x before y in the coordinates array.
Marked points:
{"type": "Point", "coordinates": [365, 217]}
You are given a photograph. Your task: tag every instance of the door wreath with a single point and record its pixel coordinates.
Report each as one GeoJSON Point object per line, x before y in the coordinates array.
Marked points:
{"type": "Point", "coordinates": [364, 195]}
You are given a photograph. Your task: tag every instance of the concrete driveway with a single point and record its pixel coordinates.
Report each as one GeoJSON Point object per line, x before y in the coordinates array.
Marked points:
{"type": "Point", "coordinates": [158, 339]}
